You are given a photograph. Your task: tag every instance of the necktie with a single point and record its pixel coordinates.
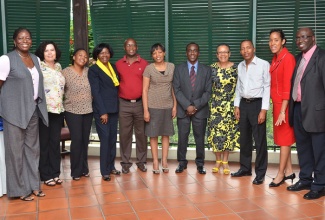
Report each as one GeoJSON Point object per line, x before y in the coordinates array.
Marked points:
{"type": "Point", "coordinates": [298, 78]}
{"type": "Point", "coordinates": [192, 77]}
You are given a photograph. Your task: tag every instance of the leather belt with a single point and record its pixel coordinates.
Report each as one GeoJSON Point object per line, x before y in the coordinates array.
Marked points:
{"type": "Point", "coordinates": [132, 100]}
{"type": "Point", "coordinates": [250, 100]}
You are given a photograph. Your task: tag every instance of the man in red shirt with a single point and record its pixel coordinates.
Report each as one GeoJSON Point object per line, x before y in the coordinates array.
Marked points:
{"type": "Point", "coordinates": [130, 69]}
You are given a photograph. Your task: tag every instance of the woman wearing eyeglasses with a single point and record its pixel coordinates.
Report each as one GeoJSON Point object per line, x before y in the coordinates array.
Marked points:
{"type": "Point", "coordinates": [281, 70]}
{"type": "Point", "coordinates": [223, 129]}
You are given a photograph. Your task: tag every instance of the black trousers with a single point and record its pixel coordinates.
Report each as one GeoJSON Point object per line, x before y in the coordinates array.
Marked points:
{"type": "Point", "coordinates": [311, 153]}
{"type": "Point", "coordinates": [108, 135]}
{"type": "Point", "coordinates": [50, 156]}
{"type": "Point", "coordinates": [79, 126]}
{"type": "Point", "coordinates": [249, 128]}
{"type": "Point", "coordinates": [199, 127]}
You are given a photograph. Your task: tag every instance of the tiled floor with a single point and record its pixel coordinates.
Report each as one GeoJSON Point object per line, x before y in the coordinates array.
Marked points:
{"type": "Point", "coordinates": [139, 195]}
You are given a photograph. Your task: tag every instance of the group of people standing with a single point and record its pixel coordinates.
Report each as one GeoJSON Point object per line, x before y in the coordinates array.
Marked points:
{"type": "Point", "coordinates": [230, 99]}
{"type": "Point", "coordinates": [296, 86]}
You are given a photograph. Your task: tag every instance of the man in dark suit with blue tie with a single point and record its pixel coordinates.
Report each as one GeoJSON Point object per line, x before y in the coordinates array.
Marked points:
{"type": "Point", "coordinates": [192, 87]}
{"type": "Point", "coordinates": [307, 114]}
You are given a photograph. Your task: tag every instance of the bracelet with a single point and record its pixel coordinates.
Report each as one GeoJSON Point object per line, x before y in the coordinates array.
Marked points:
{"type": "Point", "coordinates": [283, 112]}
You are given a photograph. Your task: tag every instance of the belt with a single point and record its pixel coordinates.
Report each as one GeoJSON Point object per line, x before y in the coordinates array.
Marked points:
{"type": "Point", "coordinates": [132, 100]}
{"type": "Point", "coordinates": [250, 100]}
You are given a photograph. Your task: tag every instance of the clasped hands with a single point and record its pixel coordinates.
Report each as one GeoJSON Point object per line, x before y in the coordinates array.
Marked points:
{"type": "Point", "coordinates": [191, 110]}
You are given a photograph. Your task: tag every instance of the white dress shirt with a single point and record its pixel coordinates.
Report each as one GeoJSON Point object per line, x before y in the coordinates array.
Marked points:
{"type": "Point", "coordinates": [253, 82]}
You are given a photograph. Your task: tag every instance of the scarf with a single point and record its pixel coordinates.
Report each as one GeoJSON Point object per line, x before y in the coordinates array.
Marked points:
{"type": "Point", "coordinates": [109, 71]}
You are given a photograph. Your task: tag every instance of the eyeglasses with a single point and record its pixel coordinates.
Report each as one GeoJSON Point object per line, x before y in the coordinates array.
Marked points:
{"type": "Point", "coordinates": [222, 52]}
{"type": "Point", "coordinates": [303, 37]}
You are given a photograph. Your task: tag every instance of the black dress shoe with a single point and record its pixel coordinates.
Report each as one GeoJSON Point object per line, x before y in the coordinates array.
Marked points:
{"type": "Point", "coordinates": [258, 180]}
{"type": "Point", "coordinates": [142, 167]}
{"type": "Point", "coordinates": [125, 170]}
{"type": "Point", "coordinates": [201, 170]}
{"type": "Point", "coordinates": [106, 178]}
{"type": "Point", "coordinates": [314, 194]}
{"type": "Point", "coordinates": [298, 186]}
{"type": "Point", "coordinates": [241, 173]}
{"type": "Point", "coordinates": [180, 168]}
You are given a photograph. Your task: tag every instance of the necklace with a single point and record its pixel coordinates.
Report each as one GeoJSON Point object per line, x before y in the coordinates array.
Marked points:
{"type": "Point", "coordinates": [22, 55]}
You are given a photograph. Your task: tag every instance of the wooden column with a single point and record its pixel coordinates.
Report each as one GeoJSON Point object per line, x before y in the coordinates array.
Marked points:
{"type": "Point", "coordinates": [80, 24]}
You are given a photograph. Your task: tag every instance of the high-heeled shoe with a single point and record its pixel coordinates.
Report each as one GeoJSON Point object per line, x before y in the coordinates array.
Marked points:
{"type": "Point", "coordinates": [216, 169]}
{"type": "Point", "coordinates": [164, 169]}
{"type": "Point", "coordinates": [225, 170]}
{"type": "Point", "coordinates": [156, 171]}
{"type": "Point", "coordinates": [290, 177]}
{"type": "Point", "coordinates": [273, 184]}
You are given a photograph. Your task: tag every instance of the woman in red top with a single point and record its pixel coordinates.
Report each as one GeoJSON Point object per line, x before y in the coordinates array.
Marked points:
{"type": "Point", "coordinates": [281, 71]}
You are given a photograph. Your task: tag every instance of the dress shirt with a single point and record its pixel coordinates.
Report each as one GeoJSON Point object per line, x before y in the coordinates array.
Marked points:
{"type": "Point", "coordinates": [253, 82]}
{"type": "Point", "coordinates": [189, 66]}
{"type": "Point", "coordinates": [307, 57]}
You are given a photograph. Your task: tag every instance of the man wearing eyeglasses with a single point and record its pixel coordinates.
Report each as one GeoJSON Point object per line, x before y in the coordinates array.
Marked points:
{"type": "Point", "coordinates": [307, 114]}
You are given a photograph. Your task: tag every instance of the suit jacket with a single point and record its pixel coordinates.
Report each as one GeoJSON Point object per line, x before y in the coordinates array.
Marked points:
{"type": "Point", "coordinates": [184, 94]}
{"type": "Point", "coordinates": [312, 93]}
{"type": "Point", "coordinates": [103, 90]}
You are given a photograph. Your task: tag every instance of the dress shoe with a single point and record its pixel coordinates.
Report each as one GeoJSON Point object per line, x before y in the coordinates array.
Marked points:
{"type": "Point", "coordinates": [180, 168]}
{"type": "Point", "coordinates": [201, 170]}
{"type": "Point", "coordinates": [142, 167]}
{"type": "Point", "coordinates": [298, 186]}
{"type": "Point", "coordinates": [273, 184]}
{"type": "Point", "coordinates": [125, 170]}
{"type": "Point", "coordinates": [314, 194]}
{"type": "Point", "coordinates": [258, 180]}
{"type": "Point", "coordinates": [241, 173]}
{"type": "Point", "coordinates": [106, 177]}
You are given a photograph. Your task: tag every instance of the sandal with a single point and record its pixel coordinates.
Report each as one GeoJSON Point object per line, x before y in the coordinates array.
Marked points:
{"type": "Point", "coordinates": [58, 180]}
{"type": "Point", "coordinates": [115, 172]}
{"type": "Point", "coordinates": [50, 182]}
{"type": "Point", "coordinates": [27, 198]}
{"type": "Point", "coordinates": [225, 170]}
{"type": "Point", "coordinates": [216, 169]}
{"type": "Point", "coordinates": [164, 169]}
{"type": "Point", "coordinates": [38, 193]}
{"type": "Point", "coordinates": [156, 171]}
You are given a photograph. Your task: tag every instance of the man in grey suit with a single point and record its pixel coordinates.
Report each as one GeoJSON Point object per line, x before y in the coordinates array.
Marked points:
{"type": "Point", "coordinates": [192, 87]}
{"type": "Point", "coordinates": [307, 114]}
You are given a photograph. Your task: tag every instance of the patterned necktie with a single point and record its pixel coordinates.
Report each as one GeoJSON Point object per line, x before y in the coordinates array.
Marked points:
{"type": "Point", "coordinates": [192, 77]}
{"type": "Point", "coordinates": [298, 78]}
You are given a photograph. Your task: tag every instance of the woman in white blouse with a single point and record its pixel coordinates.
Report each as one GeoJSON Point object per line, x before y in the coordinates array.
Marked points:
{"type": "Point", "coordinates": [50, 158]}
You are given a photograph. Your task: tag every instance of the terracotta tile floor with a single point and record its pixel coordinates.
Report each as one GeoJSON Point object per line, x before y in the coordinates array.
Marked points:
{"type": "Point", "coordinates": [188, 195]}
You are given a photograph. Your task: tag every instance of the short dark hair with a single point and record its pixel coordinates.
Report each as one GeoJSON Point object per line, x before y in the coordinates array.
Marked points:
{"type": "Point", "coordinates": [248, 41]}
{"type": "Point", "coordinates": [100, 47]}
{"type": "Point", "coordinates": [41, 48]}
{"type": "Point", "coordinates": [223, 44]}
{"type": "Point", "coordinates": [76, 51]}
{"type": "Point", "coordinates": [281, 33]}
{"type": "Point", "coordinates": [198, 47]}
{"type": "Point", "coordinates": [17, 31]}
{"type": "Point", "coordinates": [156, 46]}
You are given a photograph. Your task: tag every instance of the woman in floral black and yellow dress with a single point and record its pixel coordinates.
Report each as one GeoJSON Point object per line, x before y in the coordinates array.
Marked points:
{"type": "Point", "coordinates": [223, 129]}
